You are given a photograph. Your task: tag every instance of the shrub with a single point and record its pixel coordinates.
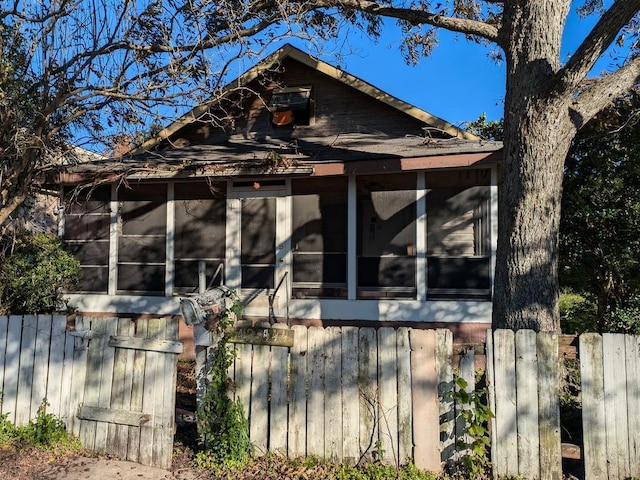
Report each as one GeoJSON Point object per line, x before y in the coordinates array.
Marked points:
{"type": "Point", "coordinates": [35, 271]}
{"type": "Point", "coordinates": [45, 431]}
{"type": "Point", "coordinates": [625, 319]}
{"type": "Point", "coordinates": [577, 313]}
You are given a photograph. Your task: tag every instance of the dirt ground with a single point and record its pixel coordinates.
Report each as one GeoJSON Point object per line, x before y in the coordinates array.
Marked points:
{"type": "Point", "coordinates": [41, 465]}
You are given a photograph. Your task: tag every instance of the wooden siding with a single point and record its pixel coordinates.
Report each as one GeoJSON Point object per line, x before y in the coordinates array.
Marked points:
{"type": "Point", "coordinates": [336, 108]}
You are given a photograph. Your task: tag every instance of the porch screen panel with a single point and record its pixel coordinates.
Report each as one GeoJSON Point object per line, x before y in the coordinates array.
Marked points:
{"type": "Point", "coordinates": [386, 236]}
{"type": "Point", "coordinates": [142, 227]}
{"type": "Point", "coordinates": [458, 257]}
{"type": "Point", "coordinates": [319, 237]}
{"type": "Point", "coordinates": [86, 234]}
{"type": "Point", "coordinates": [199, 234]}
{"type": "Point", "coordinates": [258, 242]}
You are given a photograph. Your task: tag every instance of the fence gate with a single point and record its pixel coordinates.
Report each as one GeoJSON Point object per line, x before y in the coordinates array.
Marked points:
{"type": "Point", "coordinates": [128, 403]}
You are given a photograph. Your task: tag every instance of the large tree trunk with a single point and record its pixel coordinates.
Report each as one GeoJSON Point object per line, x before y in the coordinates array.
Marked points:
{"type": "Point", "coordinates": [538, 132]}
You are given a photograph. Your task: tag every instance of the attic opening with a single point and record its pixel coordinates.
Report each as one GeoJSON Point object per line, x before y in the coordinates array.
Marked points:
{"type": "Point", "coordinates": [291, 106]}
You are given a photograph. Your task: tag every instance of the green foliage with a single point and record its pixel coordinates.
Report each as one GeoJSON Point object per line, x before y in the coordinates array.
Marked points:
{"type": "Point", "coordinates": [625, 318]}
{"type": "Point", "coordinates": [222, 425]}
{"type": "Point", "coordinates": [35, 272]}
{"type": "Point", "coordinates": [209, 460]}
{"type": "Point", "coordinates": [7, 429]}
{"type": "Point", "coordinates": [378, 471]}
{"type": "Point", "coordinates": [577, 313]}
{"type": "Point", "coordinates": [475, 463]}
{"type": "Point", "coordinates": [600, 226]}
{"type": "Point", "coordinates": [489, 130]}
{"type": "Point", "coordinates": [45, 431]}
{"type": "Point", "coordinates": [275, 467]}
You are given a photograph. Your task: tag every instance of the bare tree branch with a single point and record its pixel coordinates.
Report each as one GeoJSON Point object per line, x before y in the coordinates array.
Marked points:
{"type": "Point", "coordinates": [413, 16]}
{"type": "Point", "coordinates": [601, 92]}
{"type": "Point", "coordinates": [597, 42]}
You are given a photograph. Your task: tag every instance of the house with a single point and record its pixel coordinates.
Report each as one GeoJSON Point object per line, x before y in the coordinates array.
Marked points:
{"type": "Point", "coordinates": [317, 197]}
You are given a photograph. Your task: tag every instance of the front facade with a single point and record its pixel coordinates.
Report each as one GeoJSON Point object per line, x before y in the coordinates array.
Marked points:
{"type": "Point", "coordinates": [318, 198]}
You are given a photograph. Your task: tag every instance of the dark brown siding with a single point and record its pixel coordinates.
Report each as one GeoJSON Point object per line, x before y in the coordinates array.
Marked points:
{"type": "Point", "coordinates": [336, 108]}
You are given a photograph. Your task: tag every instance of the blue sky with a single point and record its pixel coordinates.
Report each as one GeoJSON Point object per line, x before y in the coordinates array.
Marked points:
{"type": "Point", "coordinates": [458, 82]}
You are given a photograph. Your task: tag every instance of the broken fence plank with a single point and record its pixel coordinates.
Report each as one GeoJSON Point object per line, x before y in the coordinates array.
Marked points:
{"type": "Point", "coordinates": [147, 344]}
{"type": "Point", "coordinates": [117, 417]}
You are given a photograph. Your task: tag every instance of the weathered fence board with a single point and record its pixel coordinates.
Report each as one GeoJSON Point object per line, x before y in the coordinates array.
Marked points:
{"type": "Point", "coordinates": [632, 347]}
{"type": "Point", "coordinates": [527, 407]}
{"type": "Point", "coordinates": [352, 394]}
{"type": "Point", "coordinates": [549, 407]}
{"type": "Point", "coordinates": [504, 436]}
{"type": "Point", "coordinates": [40, 369]}
{"type": "Point", "coordinates": [26, 372]}
{"type": "Point", "coordinates": [615, 405]}
{"type": "Point", "coordinates": [55, 378]}
{"type": "Point", "coordinates": [523, 380]}
{"type": "Point", "coordinates": [78, 370]}
{"type": "Point", "coordinates": [468, 373]}
{"type": "Point", "coordinates": [278, 401]}
{"type": "Point", "coordinates": [315, 402]}
{"type": "Point", "coordinates": [610, 405]}
{"type": "Point", "coordinates": [12, 368]}
{"type": "Point", "coordinates": [350, 408]}
{"type": "Point", "coordinates": [297, 393]}
{"type": "Point", "coordinates": [129, 394]}
{"type": "Point", "coordinates": [341, 393]}
{"type": "Point", "coordinates": [242, 383]}
{"type": "Point", "coordinates": [333, 394]}
{"type": "Point", "coordinates": [610, 379]}
{"type": "Point", "coordinates": [137, 393]}
{"type": "Point", "coordinates": [444, 369]}
{"type": "Point", "coordinates": [593, 409]}
{"type": "Point", "coordinates": [388, 391]}
{"type": "Point", "coordinates": [123, 362]}
{"type": "Point", "coordinates": [37, 368]}
{"type": "Point", "coordinates": [405, 407]}
{"type": "Point", "coordinates": [424, 388]}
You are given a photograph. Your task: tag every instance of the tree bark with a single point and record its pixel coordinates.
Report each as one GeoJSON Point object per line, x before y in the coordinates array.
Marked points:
{"type": "Point", "coordinates": [538, 133]}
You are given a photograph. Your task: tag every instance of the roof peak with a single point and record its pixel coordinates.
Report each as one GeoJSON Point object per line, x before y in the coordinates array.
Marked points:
{"type": "Point", "coordinates": [290, 51]}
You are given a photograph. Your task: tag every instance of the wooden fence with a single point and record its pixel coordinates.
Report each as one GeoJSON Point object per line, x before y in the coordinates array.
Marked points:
{"type": "Point", "coordinates": [350, 393]}
{"type": "Point", "coordinates": [340, 393]}
{"type": "Point", "coordinates": [524, 378]}
{"type": "Point", "coordinates": [112, 381]}
{"type": "Point", "coordinates": [39, 361]}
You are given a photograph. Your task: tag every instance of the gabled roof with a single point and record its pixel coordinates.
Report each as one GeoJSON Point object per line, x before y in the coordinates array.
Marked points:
{"type": "Point", "coordinates": [360, 147]}
{"type": "Point", "coordinates": [322, 67]}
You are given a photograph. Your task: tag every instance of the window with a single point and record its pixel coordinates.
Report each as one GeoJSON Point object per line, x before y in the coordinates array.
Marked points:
{"type": "Point", "coordinates": [290, 106]}
{"type": "Point", "coordinates": [386, 236]}
{"type": "Point", "coordinates": [458, 256]}
{"type": "Point", "coordinates": [86, 232]}
{"type": "Point", "coordinates": [199, 235]}
{"type": "Point", "coordinates": [142, 225]}
{"type": "Point", "coordinates": [319, 237]}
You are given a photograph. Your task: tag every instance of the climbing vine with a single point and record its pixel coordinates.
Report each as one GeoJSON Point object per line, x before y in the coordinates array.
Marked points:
{"type": "Point", "coordinates": [476, 443]}
{"type": "Point", "coordinates": [222, 424]}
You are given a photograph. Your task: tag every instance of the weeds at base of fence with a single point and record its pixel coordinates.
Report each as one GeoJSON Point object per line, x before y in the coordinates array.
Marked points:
{"type": "Point", "coordinates": [474, 445]}
{"type": "Point", "coordinates": [45, 431]}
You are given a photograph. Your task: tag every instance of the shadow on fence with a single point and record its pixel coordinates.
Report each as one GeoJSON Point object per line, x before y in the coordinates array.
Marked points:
{"type": "Point", "coordinates": [343, 393]}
